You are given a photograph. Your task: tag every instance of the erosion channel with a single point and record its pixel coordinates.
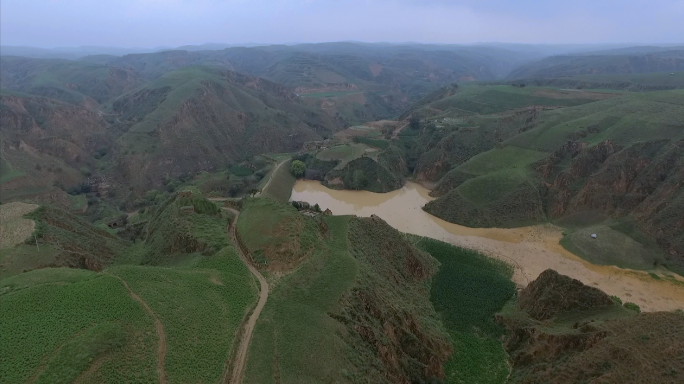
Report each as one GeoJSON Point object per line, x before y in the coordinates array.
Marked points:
{"type": "Point", "coordinates": [531, 250]}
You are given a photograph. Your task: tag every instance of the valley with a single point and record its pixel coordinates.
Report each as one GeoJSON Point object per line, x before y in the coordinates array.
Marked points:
{"type": "Point", "coordinates": [529, 250]}
{"type": "Point", "coordinates": [342, 212]}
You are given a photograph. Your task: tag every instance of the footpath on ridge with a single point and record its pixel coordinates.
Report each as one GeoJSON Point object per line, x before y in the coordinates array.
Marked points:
{"type": "Point", "coordinates": [240, 359]}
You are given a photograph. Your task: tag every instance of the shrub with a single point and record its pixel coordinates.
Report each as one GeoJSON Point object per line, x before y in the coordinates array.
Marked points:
{"type": "Point", "coordinates": [632, 307]}
{"type": "Point", "coordinates": [616, 299]}
{"type": "Point", "coordinates": [298, 168]}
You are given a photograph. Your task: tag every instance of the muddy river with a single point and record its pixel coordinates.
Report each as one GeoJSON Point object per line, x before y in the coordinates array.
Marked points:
{"type": "Point", "coordinates": [530, 250]}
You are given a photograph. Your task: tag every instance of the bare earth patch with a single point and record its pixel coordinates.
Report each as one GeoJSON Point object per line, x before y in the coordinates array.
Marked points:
{"type": "Point", "coordinates": [14, 229]}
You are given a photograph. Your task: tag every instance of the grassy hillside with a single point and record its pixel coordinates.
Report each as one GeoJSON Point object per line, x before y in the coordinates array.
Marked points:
{"type": "Point", "coordinates": [319, 305]}
{"type": "Point", "coordinates": [44, 142]}
{"type": "Point", "coordinates": [618, 157]}
{"type": "Point", "coordinates": [73, 82]}
{"type": "Point", "coordinates": [211, 116]}
{"type": "Point", "coordinates": [466, 292]}
{"type": "Point", "coordinates": [123, 321]}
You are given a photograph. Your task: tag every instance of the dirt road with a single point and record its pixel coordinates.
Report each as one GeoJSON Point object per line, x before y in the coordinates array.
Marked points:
{"type": "Point", "coordinates": [270, 178]}
{"type": "Point", "coordinates": [161, 351]}
{"type": "Point", "coordinates": [238, 366]}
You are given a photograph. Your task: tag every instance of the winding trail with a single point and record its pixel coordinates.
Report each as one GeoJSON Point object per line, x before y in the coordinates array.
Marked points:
{"type": "Point", "coordinates": [270, 178]}
{"type": "Point", "coordinates": [161, 351]}
{"type": "Point", "coordinates": [238, 366]}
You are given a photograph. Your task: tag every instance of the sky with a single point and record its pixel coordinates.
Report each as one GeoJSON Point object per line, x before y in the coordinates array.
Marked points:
{"type": "Point", "coordinates": [171, 23]}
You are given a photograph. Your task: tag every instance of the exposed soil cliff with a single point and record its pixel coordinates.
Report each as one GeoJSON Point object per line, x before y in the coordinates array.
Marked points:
{"type": "Point", "coordinates": [387, 313]}
{"type": "Point", "coordinates": [642, 181]}
{"type": "Point", "coordinates": [592, 340]}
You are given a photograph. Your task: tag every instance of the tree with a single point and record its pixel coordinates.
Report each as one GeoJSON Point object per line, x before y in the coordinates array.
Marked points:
{"type": "Point", "coordinates": [298, 168]}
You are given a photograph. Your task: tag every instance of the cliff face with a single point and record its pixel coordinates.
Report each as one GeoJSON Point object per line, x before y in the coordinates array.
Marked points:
{"type": "Point", "coordinates": [590, 339]}
{"type": "Point", "coordinates": [387, 312]}
{"type": "Point", "coordinates": [642, 181]}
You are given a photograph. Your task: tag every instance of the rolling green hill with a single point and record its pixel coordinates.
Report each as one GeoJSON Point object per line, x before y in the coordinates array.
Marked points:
{"type": "Point", "coordinates": [69, 81]}
{"type": "Point", "coordinates": [620, 157]}
{"type": "Point", "coordinates": [358, 293]}
{"type": "Point", "coordinates": [200, 118]}
{"type": "Point", "coordinates": [108, 317]}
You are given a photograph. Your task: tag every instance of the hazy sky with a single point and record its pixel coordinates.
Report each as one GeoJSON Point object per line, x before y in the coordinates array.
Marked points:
{"type": "Point", "coordinates": [151, 23]}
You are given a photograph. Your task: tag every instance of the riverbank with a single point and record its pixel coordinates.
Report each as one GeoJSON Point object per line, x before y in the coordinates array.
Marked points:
{"type": "Point", "coordinates": [531, 250]}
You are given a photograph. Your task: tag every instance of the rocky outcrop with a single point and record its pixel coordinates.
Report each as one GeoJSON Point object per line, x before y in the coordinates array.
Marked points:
{"type": "Point", "coordinates": [603, 345]}
{"type": "Point", "coordinates": [552, 294]}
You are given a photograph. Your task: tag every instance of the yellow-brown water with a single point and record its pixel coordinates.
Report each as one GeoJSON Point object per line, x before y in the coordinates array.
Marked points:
{"type": "Point", "coordinates": [531, 250]}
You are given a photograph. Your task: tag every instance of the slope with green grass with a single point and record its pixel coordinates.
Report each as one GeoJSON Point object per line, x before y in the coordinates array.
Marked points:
{"type": "Point", "coordinates": [73, 82]}
{"type": "Point", "coordinates": [357, 275]}
{"type": "Point", "coordinates": [175, 318]}
{"type": "Point", "coordinates": [467, 291]}
{"type": "Point", "coordinates": [44, 142]}
{"type": "Point", "coordinates": [211, 116]}
{"type": "Point", "coordinates": [619, 157]}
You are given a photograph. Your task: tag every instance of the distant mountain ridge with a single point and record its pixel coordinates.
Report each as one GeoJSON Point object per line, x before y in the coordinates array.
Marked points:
{"type": "Point", "coordinates": [593, 64]}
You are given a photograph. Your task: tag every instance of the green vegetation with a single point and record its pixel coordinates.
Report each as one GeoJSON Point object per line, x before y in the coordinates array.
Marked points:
{"type": "Point", "coordinates": [611, 247]}
{"type": "Point", "coordinates": [297, 168]}
{"type": "Point", "coordinates": [239, 170]}
{"type": "Point", "coordinates": [184, 224]}
{"type": "Point", "coordinates": [281, 183]}
{"type": "Point", "coordinates": [54, 321]}
{"type": "Point", "coordinates": [378, 143]}
{"type": "Point", "coordinates": [78, 354]}
{"type": "Point", "coordinates": [201, 308]}
{"type": "Point", "coordinates": [86, 324]}
{"type": "Point", "coordinates": [632, 307]}
{"type": "Point", "coordinates": [7, 173]}
{"type": "Point", "coordinates": [603, 64]}
{"type": "Point", "coordinates": [533, 165]}
{"type": "Point", "coordinates": [295, 317]}
{"type": "Point", "coordinates": [320, 303]}
{"type": "Point", "coordinates": [366, 173]}
{"type": "Point", "coordinates": [467, 291]}
{"type": "Point", "coordinates": [343, 154]}
{"type": "Point", "coordinates": [276, 232]}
